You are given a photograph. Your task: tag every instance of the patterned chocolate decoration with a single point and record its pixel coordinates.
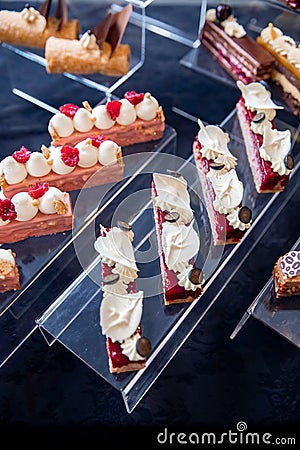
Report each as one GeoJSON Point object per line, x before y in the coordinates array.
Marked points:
{"type": "Point", "coordinates": [290, 264]}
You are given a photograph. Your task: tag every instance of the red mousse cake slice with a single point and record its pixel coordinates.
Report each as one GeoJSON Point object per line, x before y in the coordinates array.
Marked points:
{"type": "Point", "coordinates": [122, 305]}
{"type": "Point", "coordinates": [222, 190]}
{"type": "Point", "coordinates": [268, 149]}
{"type": "Point", "coordinates": [233, 48]}
{"type": "Point", "coordinates": [136, 118]}
{"type": "Point", "coordinates": [178, 241]}
{"type": "Point", "coordinates": [40, 211]}
{"type": "Point", "coordinates": [9, 272]}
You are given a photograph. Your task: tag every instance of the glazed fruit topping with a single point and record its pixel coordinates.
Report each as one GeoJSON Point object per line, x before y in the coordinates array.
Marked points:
{"type": "Point", "coordinates": [124, 226]}
{"type": "Point", "coordinates": [289, 162]}
{"type": "Point", "coordinates": [223, 11]}
{"type": "Point", "coordinates": [70, 155]}
{"type": "Point", "coordinates": [172, 216]}
{"type": "Point", "coordinates": [97, 140]}
{"type": "Point", "coordinates": [113, 108]}
{"type": "Point", "coordinates": [112, 278]}
{"type": "Point", "coordinates": [196, 275]}
{"type": "Point", "coordinates": [22, 155]}
{"type": "Point", "coordinates": [7, 210]}
{"type": "Point", "coordinates": [143, 346]}
{"type": "Point", "coordinates": [69, 109]}
{"type": "Point", "coordinates": [133, 97]}
{"type": "Point", "coordinates": [38, 190]}
{"type": "Point", "coordinates": [245, 214]}
{"type": "Point", "coordinates": [259, 117]}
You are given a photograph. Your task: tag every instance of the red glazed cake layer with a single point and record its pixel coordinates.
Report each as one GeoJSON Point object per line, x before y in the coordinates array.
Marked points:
{"type": "Point", "coordinates": [265, 179]}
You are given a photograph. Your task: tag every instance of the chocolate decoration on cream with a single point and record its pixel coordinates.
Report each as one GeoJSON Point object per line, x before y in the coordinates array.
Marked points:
{"type": "Point", "coordinates": [259, 117]}
{"type": "Point", "coordinates": [61, 13]}
{"type": "Point", "coordinates": [143, 346]}
{"type": "Point", "coordinates": [112, 278]}
{"type": "Point", "coordinates": [196, 276]}
{"type": "Point", "coordinates": [289, 162]}
{"type": "Point", "coordinates": [290, 264]}
{"type": "Point", "coordinates": [172, 216]}
{"type": "Point", "coordinates": [216, 166]}
{"type": "Point", "coordinates": [245, 214]}
{"type": "Point", "coordinates": [124, 226]}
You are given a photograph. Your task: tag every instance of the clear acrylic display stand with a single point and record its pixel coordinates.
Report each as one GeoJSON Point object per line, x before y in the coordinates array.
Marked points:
{"type": "Point", "coordinates": [154, 22]}
{"type": "Point", "coordinates": [73, 319]}
{"type": "Point", "coordinates": [45, 262]}
{"type": "Point", "coordinates": [282, 316]}
{"type": "Point", "coordinates": [103, 84]}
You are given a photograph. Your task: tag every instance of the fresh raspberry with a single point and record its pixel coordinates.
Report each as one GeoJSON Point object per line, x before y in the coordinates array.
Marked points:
{"type": "Point", "coordinates": [69, 155]}
{"type": "Point", "coordinates": [22, 155]}
{"type": "Point", "coordinates": [69, 109]}
{"type": "Point", "coordinates": [113, 108]}
{"type": "Point", "coordinates": [134, 98]}
{"type": "Point", "coordinates": [97, 140]}
{"type": "Point", "coordinates": [7, 210]}
{"type": "Point", "coordinates": [38, 190]}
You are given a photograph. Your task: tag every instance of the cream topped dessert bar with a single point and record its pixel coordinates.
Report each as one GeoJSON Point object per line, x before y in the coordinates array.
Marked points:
{"type": "Point", "coordinates": [40, 211]}
{"type": "Point", "coordinates": [97, 51]}
{"type": "Point", "coordinates": [134, 119]}
{"type": "Point", "coordinates": [9, 272]}
{"type": "Point", "coordinates": [178, 240]}
{"type": "Point", "coordinates": [223, 192]}
{"type": "Point", "coordinates": [32, 27]}
{"type": "Point", "coordinates": [268, 149]}
{"type": "Point", "coordinates": [233, 48]}
{"type": "Point", "coordinates": [65, 167]}
{"type": "Point", "coordinates": [286, 72]}
{"type": "Point", "coordinates": [122, 305]}
{"type": "Point", "coordinates": [286, 275]}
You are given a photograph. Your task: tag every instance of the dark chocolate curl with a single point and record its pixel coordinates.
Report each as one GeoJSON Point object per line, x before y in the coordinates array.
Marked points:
{"type": "Point", "coordinates": [44, 9]}
{"type": "Point", "coordinates": [61, 13]}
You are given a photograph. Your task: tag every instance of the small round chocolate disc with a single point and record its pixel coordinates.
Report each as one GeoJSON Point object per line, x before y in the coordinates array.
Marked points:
{"type": "Point", "coordinates": [265, 84]}
{"type": "Point", "coordinates": [111, 278]}
{"type": "Point", "coordinates": [172, 216]}
{"type": "Point", "coordinates": [216, 166]}
{"type": "Point", "coordinates": [124, 226]}
{"type": "Point", "coordinates": [196, 276]}
{"type": "Point", "coordinates": [289, 162]}
{"type": "Point", "coordinates": [143, 346]}
{"type": "Point", "coordinates": [173, 173]}
{"type": "Point", "coordinates": [259, 117]}
{"type": "Point", "coordinates": [245, 214]}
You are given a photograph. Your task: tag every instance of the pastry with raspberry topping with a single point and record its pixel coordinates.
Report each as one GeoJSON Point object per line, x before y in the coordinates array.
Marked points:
{"type": "Point", "coordinates": [9, 272]}
{"type": "Point", "coordinates": [122, 305]}
{"type": "Point", "coordinates": [136, 118]}
{"type": "Point", "coordinates": [286, 275]}
{"type": "Point", "coordinates": [98, 50]}
{"type": "Point", "coordinates": [32, 27]}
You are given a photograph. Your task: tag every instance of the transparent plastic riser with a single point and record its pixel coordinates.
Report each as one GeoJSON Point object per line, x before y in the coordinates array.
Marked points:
{"type": "Point", "coordinates": [73, 319]}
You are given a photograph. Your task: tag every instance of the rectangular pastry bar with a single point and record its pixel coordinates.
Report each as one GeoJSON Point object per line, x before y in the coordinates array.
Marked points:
{"type": "Point", "coordinates": [9, 272]}
{"type": "Point", "coordinates": [122, 305]}
{"type": "Point", "coordinates": [40, 211]}
{"type": "Point", "coordinates": [178, 241]}
{"type": "Point", "coordinates": [233, 48]}
{"type": "Point", "coordinates": [268, 150]}
{"type": "Point", "coordinates": [222, 190]}
{"type": "Point", "coordinates": [286, 275]}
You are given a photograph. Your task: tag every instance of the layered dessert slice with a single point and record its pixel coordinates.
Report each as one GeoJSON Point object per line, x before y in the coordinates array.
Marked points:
{"type": "Point", "coordinates": [286, 275]}
{"type": "Point", "coordinates": [233, 48]}
{"type": "Point", "coordinates": [122, 305]}
{"type": "Point", "coordinates": [134, 119]}
{"type": "Point", "coordinates": [222, 190]}
{"type": "Point", "coordinates": [286, 72]}
{"type": "Point", "coordinates": [178, 240]}
{"type": "Point", "coordinates": [268, 150]}
{"type": "Point", "coordinates": [40, 211]}
{"type": "Point", "coordinates": [9, 272]}
{"type": "Point", "coordinates": [94, 161]}
{"type": "Point", "coordinates": [97, 51]}
{"type": "Point", "coordinates": [32, 27]}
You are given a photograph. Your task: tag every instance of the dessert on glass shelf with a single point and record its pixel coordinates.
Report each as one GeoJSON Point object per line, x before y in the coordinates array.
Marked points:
{"type": "Point", "coordinates": [268, 150]}
{"type": "Point", "coordinates": [32, 27]}
{"type": "Point", "coordinates": [134, 119]}
{"type": "Point", "coordinates": [294, 4]}
{"type": "Point", "coordinates": [233, 48]}
{"type": "Point", "coordinates": [39, 211]}
{"type": "Point", "coordinates": [9, 272]}
{"type": "Point", "coordinates": [178, 241]}
{"type": "Point", "coordinates": [223, 192]}
{"type": "Point", "coordinates": [286, 275]}
{"type": "Point", "coordinates": [286, 73]}
{"type": "Point", "coordinates": [98, 50]}
{"type": "Point", "coordinates": [122, 305]}
{"type": "Point", "coordinates": [65, 167]}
